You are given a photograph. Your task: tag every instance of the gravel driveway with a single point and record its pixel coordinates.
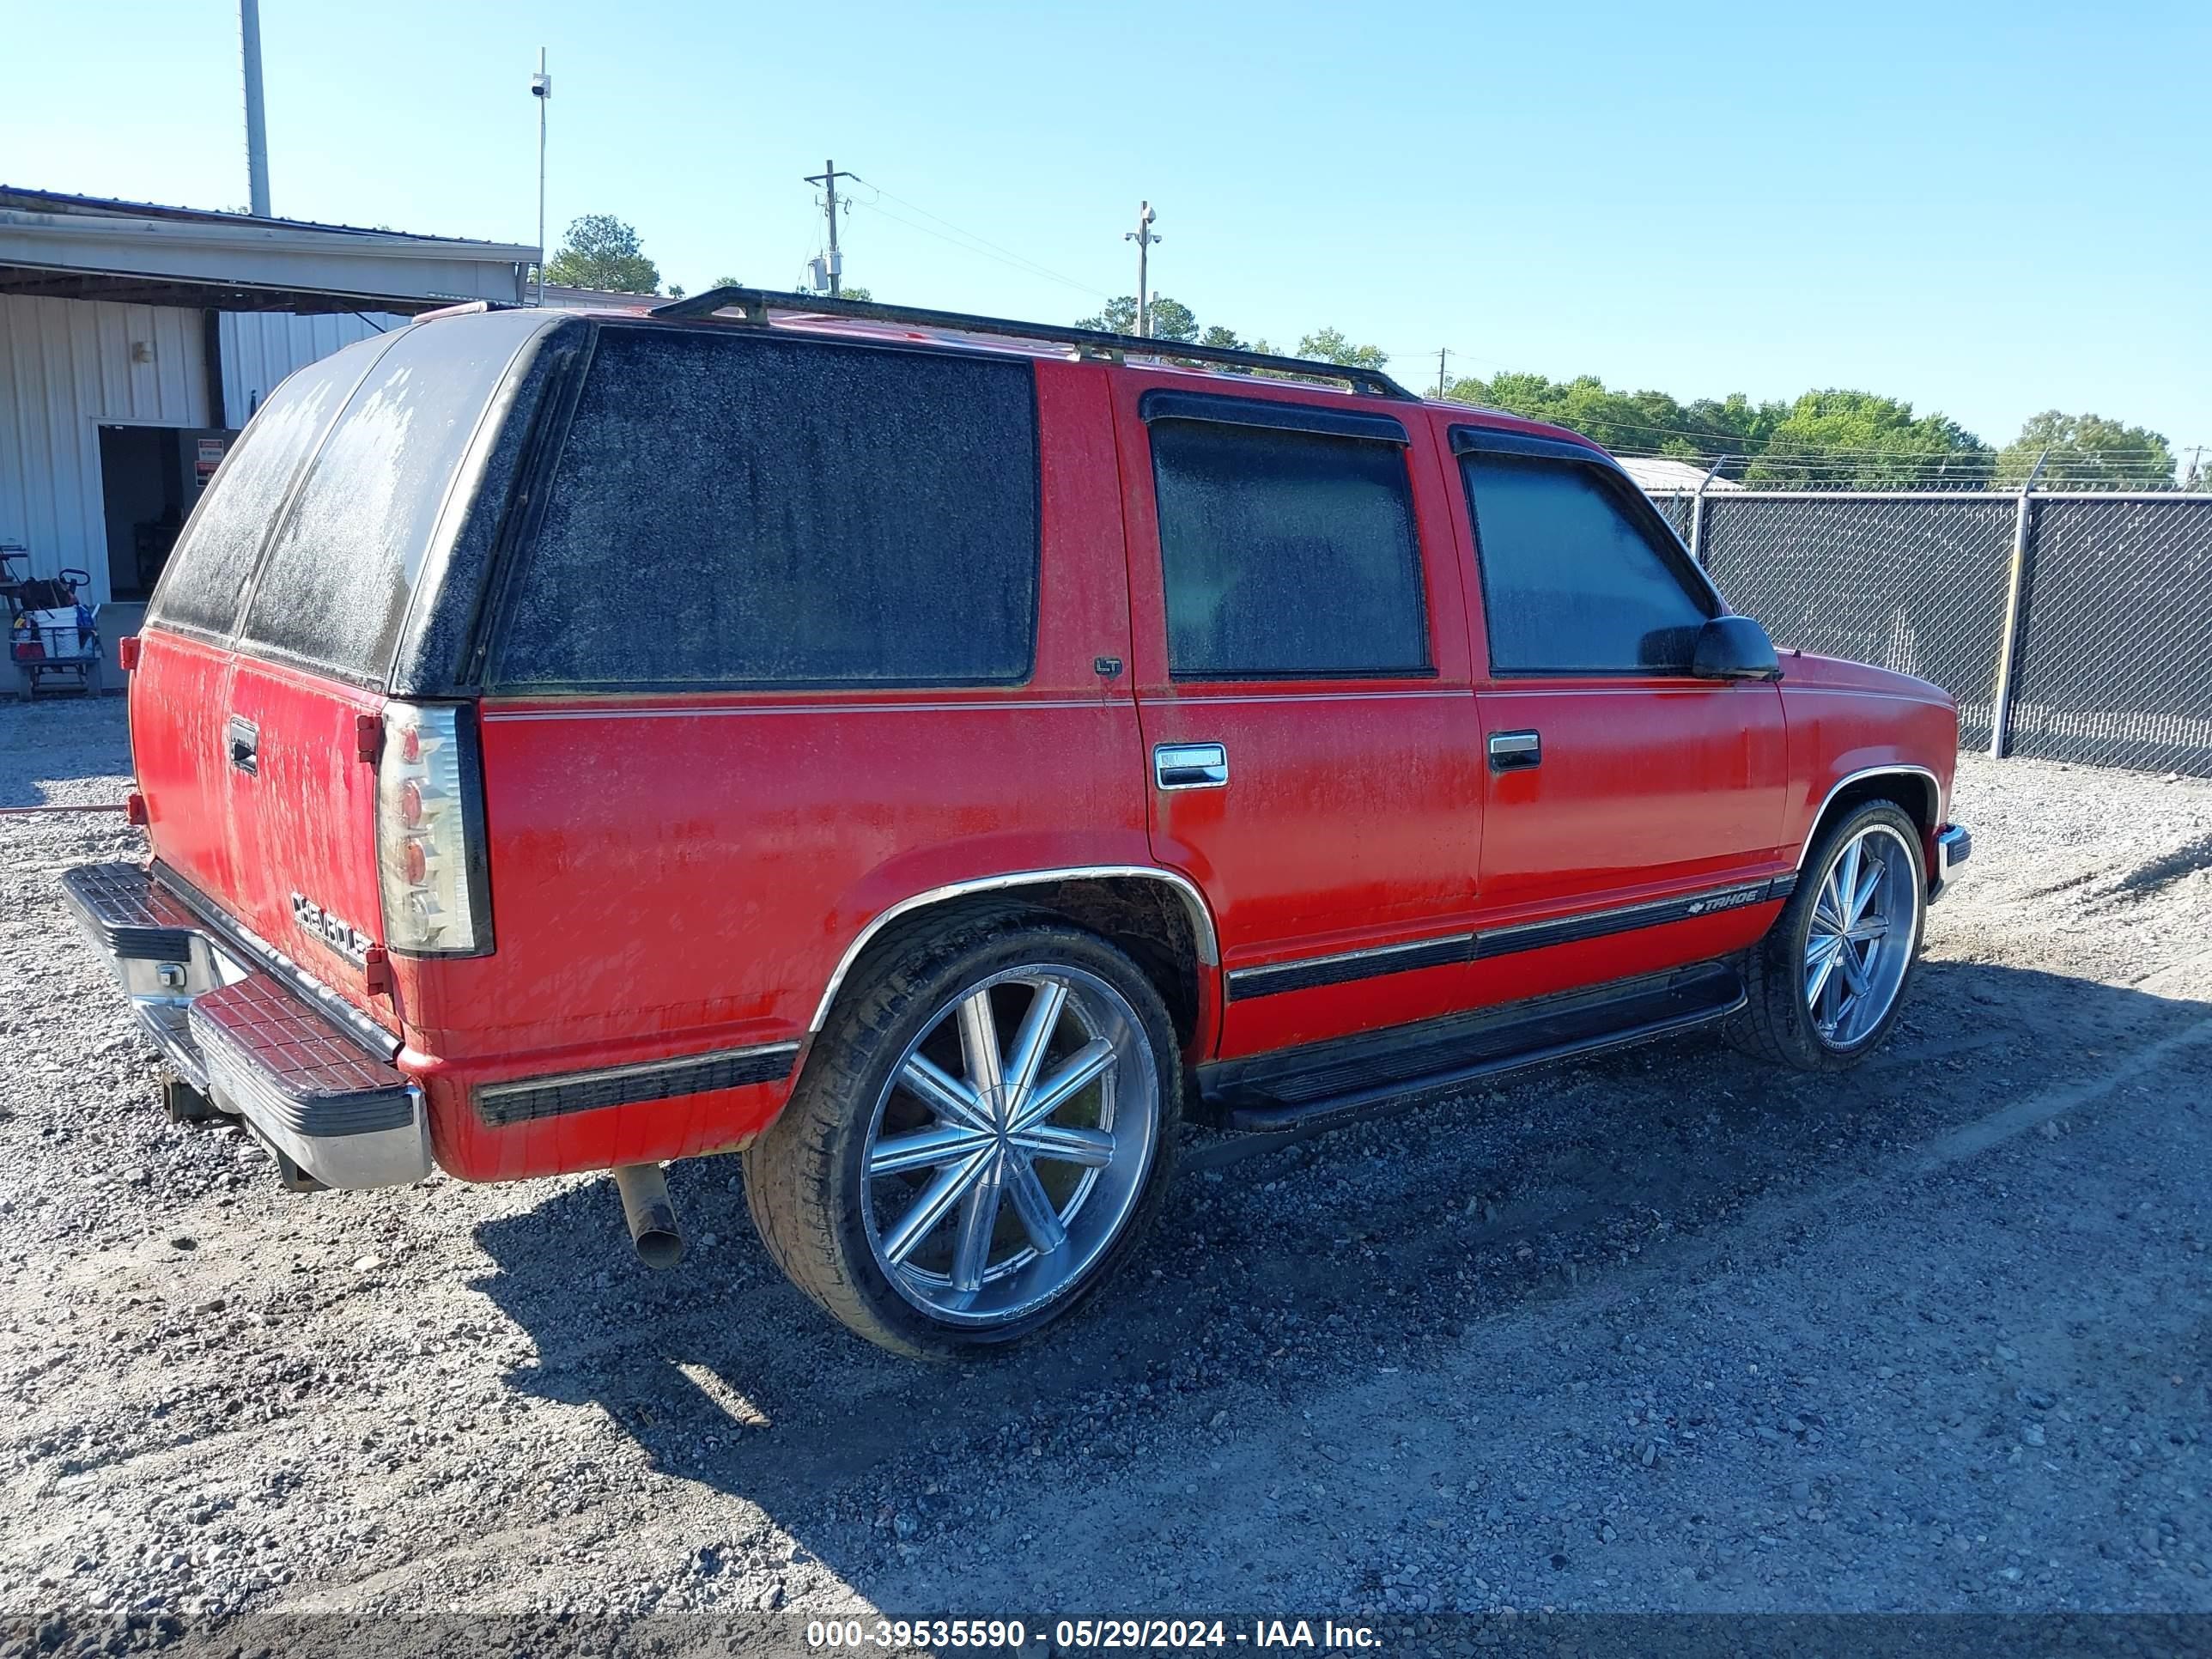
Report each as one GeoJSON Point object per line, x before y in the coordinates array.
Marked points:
{"type": "Point", "coordinates": [1663, 1331]}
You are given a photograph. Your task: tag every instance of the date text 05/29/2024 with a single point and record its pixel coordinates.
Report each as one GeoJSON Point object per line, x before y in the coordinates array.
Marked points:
{"type": "Point", "coordinates": [1088, 1635]}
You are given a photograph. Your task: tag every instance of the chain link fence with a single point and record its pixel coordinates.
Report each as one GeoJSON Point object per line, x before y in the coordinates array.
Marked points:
{"type": "Point", "coordinates": [2110, 627]}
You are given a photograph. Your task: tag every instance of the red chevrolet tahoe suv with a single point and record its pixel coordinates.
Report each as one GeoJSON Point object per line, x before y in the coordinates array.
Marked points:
{"type": "Point", "coordinates": [936, 757]}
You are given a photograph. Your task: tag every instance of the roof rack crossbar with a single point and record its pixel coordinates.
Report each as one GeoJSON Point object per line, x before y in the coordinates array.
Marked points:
{"type": "Point", "coordinates": [755, 303]}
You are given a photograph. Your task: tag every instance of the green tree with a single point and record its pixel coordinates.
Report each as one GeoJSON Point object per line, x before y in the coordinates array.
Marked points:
{"type": "Point", "coordinates": [1845, 440]}
{"type": "Point", "coordinates": [1216, 334]}
{"type": "Point", "coordinates": [2092, 451]}
{"type": "Point", "coordinates": [1330, 346]}
{"type": "Point", "coordinates": [601, 252]}
{"type": "Point", "coordinates": [1172, 320]}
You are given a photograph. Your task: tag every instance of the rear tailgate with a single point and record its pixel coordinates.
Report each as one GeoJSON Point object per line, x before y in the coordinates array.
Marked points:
{"type": "Point", "coordinates": [181, 695]}
{"type": "Point", "coordinates": [361, 534]}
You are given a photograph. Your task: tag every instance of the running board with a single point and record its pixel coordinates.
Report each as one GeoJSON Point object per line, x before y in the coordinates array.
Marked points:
{"type": "Point", "coordinates": [1330, 1083]}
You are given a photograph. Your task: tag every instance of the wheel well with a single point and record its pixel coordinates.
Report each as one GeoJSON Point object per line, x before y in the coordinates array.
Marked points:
{"type": "Point", "coordinates": [1148, 919]}
{"type": "Point", "coordinates": [1913, 792]}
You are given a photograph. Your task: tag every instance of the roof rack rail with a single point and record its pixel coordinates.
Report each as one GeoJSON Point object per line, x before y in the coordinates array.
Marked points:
{"type": "Point", "coordinates": [756, 303]}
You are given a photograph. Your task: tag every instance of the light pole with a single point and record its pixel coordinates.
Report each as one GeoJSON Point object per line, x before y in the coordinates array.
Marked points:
{"type": "Point", "coordinates": [1144, 237]}
{"type": "Point", "coordinates": [257, 129]}
{"type": "Point", "coordinates": [541, 88]}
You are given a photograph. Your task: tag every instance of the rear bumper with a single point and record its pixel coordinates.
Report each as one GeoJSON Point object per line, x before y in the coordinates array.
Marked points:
{"type": "Point", "coordinates": [315, 1091]}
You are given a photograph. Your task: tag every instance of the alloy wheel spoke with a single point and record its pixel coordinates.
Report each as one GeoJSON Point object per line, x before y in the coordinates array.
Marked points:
{"type": "Point", "coordinates": [979, 1221]}
{"type": "Point", "coordinates": [1845, 881]}
{"type": "Point", "coordinates": [1868, 929]}
{"type": "Point", "coordinates": [1082, 1068]}
{"type": "Point", "coordinates": [1040, 1221]}
{"type": "Point", "coordinates": [1828, 909]}
{"type": "Point", "coordinates": [925, 1149]}
{"type": "Point", "coordinates": [1864, 894]}
{"type": "Point", "coordinates": [932, 1206]}
{"type": "Point", "coordinates": [944, 1094]}
{"type": "Point", "coordinates": [1853, 970]}
{"type": "Point", "coordinates": [1820, 968]}
{"type": "Point", "coordinates": [1031, 1041]}
{"type": "Point", "coordinates": [1092, 1148]}
{"type": "Point", "coordinates": [979, 1047]}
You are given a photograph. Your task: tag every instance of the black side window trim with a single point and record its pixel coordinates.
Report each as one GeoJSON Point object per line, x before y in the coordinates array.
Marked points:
{"type": "Point", "coordinates": [1622, 491]}
{"type": "Point", "coordinates": [1161, 403]}
{"type": "Point", "coordinates": [550, 445]}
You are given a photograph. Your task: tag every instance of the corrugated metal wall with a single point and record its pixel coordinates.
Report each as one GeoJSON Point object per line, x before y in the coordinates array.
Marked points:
{"type": "Point", "coordinates": [65, 366]}
{"type": "Point", "coordinates": [260, 348]}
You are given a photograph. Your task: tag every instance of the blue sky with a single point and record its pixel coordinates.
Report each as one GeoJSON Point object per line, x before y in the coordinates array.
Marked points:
{"type": "Point", "coordinates": [1988, 209]}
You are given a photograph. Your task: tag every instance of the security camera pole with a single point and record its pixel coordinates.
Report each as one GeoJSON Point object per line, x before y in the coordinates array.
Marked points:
{"type": "Point", "coordinates": [1143, 236]}
{"type": "Point", "coordinates": [541, 88]}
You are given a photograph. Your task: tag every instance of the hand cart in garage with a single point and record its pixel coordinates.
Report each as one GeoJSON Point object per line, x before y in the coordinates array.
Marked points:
{"type": "Point", "coordinates": [50, 637]}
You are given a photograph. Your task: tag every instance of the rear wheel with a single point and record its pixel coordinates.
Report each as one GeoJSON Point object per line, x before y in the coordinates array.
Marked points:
{"type": "Point", "coordinates": [981, 1135]}
{"type": "Point", "coordinates": [1827, 981]}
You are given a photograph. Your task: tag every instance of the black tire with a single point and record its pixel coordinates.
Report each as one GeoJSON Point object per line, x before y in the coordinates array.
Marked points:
{"type": "Point", "coordinates": [1777, 1022]}
{"type": "Point", "coordinates": [804, 1176]}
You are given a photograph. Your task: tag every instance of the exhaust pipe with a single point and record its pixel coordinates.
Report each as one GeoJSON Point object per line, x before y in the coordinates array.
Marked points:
{"type": "Point", "coordinates": [650, 1214]}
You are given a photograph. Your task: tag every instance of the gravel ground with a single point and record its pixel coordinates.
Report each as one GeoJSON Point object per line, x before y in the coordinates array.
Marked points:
{"type": "Point", "coordinates": [1663, 1331]}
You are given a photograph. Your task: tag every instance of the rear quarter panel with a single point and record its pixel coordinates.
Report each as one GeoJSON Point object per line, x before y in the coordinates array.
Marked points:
{"type": "Point", "coordinates": [676, 874]}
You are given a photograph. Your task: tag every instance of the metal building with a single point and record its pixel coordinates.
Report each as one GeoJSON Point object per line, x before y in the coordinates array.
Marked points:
{"type": "Point", "coordinates": [136, 340]}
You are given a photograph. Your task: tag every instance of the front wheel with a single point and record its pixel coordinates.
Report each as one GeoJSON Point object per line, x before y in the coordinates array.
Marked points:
{"type": "Point", "coordinates": [981, 1135]}
{"type": "Point", "coordinates": [1826, 983]}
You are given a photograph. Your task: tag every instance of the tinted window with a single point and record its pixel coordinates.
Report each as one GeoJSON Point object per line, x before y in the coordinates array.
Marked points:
{"type": "Point", "coordinates": [1287, 554]}
{"type": "Point", "coordinates": [334, 587]}
{"type": "Point", "coordinates": [206, 575]}
{"type": "Point", "coordinates": [748, 510]}
{"type": "Point", "coordinates": [1568, 579]}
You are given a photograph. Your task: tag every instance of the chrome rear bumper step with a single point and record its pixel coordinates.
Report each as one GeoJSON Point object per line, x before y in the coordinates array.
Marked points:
{"type": "Point", "coordinates": [343, 1115]}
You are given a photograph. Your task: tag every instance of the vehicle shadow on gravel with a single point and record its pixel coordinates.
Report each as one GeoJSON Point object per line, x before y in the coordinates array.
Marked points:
{"type": "Point", "coordinates": [1388, 1242]}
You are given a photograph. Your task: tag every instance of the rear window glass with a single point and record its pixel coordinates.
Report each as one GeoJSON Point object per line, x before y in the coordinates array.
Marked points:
{"type": "Point", "coordinates": [749, 511]}
{"type": "Point", "coordinates": [334, 587]}
{"type": "Point", "coordinates": [205, 577]}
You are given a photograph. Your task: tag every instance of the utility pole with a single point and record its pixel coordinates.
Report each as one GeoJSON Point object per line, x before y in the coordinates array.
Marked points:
{"type": "Point", "coordinates": [828, 178]}
{"type": "Point", "coordinates": [541, 88]}
{"type": "Point", "coordinates": [1144, 237]}
{"type": "Point", "coordinates": [1442, 352]}
{"type": "Point", "coordinates": [257, 130]}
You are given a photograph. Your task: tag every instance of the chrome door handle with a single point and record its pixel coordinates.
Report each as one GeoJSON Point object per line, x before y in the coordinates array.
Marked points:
{"type": "Point", "coordinates": [1190, 766]}
{"type": "Point", "coordinates": [1516, 752]}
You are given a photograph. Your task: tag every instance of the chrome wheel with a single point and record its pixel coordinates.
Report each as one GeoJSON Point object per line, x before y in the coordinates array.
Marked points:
{"type": "Point", "coordinates": [999, 1168]}
{"type": "Point", "coordinates": [1864, 925]}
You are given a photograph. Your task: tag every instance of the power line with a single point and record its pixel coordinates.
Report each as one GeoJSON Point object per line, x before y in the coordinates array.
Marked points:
{"type": "Point", "coordinates": [987, 251]}
{"type": "Point", "coordinates": [984, 243]}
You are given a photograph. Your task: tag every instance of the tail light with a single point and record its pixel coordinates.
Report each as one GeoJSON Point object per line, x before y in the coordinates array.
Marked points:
{"type": "Point", "coordinates": [429, 833]}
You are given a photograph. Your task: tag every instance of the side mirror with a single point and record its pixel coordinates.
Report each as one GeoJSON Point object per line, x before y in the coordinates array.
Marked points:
{"type": "Point", "coordinates": [1735, 649]}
